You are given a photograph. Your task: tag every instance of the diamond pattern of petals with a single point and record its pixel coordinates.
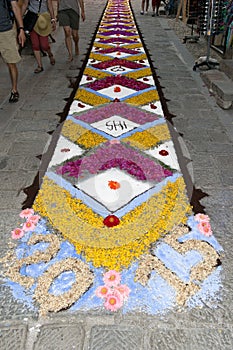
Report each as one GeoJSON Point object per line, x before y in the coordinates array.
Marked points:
{"type": "Point", "coordinates": [121, 109]}
{"type": "Point", "coordinates": [117, 80]}
{"type": "Point", "coordinates": [118, 62]}
{"type": "Point", "coordinates": [112, 189]}
{"type": "Point", "coordinates": [119, 32]}
{"type": "Point", "coordinates": [111, 221]}
{"type": "Point", "coordinates": [118, 41]}
{"type": "Point", "coordinates": [120, 49]}
{"type": "Point", "coordinates": [119, 26]}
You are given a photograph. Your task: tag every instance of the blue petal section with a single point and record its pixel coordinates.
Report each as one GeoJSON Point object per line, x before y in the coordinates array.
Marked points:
{"type": "Point", "coordinates": [157, 297]}
{"type": "Point", "coordinates": [180, 264]}
{"type": "Point", "coordinates": [210, 291]}
{"type": "Point", "coordinates": [89, 300]}
{"type": "Point", "coordinates": [19, 293]}
{"type": "Point", "coordinates": [63, 283]}
{"type": "Point", "coordinates": [196, 234]}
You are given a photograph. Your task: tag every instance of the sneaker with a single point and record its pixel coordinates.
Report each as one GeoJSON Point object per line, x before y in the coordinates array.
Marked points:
{"type": "Point", "coordinates": [142, 13]}
{"type": "Point", "coordinates": [153, 14]}
{"type": "Point", "coordinates": [14, 97]}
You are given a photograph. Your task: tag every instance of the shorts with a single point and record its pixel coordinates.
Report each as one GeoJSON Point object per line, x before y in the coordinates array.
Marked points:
{"type": "Point", "coordinates": [9, 48]}
{"type": "Point", "coordinates": [68, 18]}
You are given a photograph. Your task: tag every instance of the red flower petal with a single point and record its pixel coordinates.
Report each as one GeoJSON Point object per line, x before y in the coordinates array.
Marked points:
{"type": "Point", "coordinates": [163, 152]}
{"type": "Point", "coordinates": [111, 221]}
{"type": "Point", "coordinates": [117, 89]}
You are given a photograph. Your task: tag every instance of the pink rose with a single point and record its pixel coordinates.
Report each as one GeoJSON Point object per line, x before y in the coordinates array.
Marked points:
{"type": "Point", "coordinates": [123, 290]}
{"type": "Point", "coordinates": [113, 301]}
{"type": "Point", "coordinates": [17, 233]}
{"type": "Point", "coordinates": [201, 217]}
{"type": "Point", "coordinates": [26, 213]}
{"type": "Point", "coordinates": [28, 226]}
{"type": "Point", "coordinates": [205, 228]}
{"type": "Point", "coordinates": [102, 291]}
{"type": "Point", "coordinates": [34, 219]}
{"type": "Point", "coordinates": [112, 278]}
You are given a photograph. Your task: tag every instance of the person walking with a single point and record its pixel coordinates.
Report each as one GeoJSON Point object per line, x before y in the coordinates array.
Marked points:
{"type": "Point", "coordinates": [143, 4]}
{"type": "Point", "coordinates": [40, 33]}
{"type": "Point", "coordinates": [155, 7]}
{"type": "Point", "coordinates": [69, 18]}
{"type": "Point", "coordinates": [8, 42]}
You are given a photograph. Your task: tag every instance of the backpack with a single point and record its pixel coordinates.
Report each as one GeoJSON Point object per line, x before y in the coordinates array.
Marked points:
{"type": "Point", "coordinates": [10, 11]}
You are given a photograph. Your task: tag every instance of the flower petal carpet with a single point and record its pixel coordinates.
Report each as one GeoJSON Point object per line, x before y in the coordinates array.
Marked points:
{"type": "Point", "coordinates": [113, 227]}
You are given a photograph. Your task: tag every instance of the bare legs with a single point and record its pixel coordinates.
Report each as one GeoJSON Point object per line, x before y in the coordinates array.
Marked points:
{"type": "Point", "coordinates": [68, 41]}
{"type": "Point", "coordinates": [76, 40]}
{"type": "Point", "coordinates": [71, 34]}
{"type": "Point", "coordinates": [13, 75]}
{"type": "Point", "coordinates": [144, 2]}
{"type": "Point", "coordinates": [155, 7]}
{"type": "Point", "coordinates": [40, 43]}
{"type": "Point", "coordinates": [37, 55]}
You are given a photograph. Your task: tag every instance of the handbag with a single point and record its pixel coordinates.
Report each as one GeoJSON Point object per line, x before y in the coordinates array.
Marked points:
{"type": "Point", "coordinates": [30, 19]}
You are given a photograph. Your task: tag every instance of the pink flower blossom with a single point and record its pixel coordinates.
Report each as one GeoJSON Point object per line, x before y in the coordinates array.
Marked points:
{"type": "Point", "coordinates": [202, 217]}
{"type": "Point", "coordinates": [28, 226]}
{"type": "Point", "coordinates": [17, 233]}
{"type": "Point", "coordinates": [123, 290]}
{"type": "Point", "coordinates": [113, 301]}
{"type": "Point", "coordinates": [26, 213]}
{"type": "Point", "coordinates": [102, 291]}
{"type": "Point", "coordinates": [112, 278]}
{"type": "Point", "coordinates": [34, 219]}
{"type": "Point", "coordinates": [205, 228]}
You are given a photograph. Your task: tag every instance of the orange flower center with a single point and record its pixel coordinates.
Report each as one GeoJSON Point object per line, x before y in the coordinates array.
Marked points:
{"type": "Point", "coordinates": [104, 290]}
{"type": "Point", "coordinates": [17, 232]}
{"type": "Point", "coordinates": [114, 185]}
{"type": "Point", "coordinates": [112, 278]}
{"type": "Point", "coordinates": [112, 301]}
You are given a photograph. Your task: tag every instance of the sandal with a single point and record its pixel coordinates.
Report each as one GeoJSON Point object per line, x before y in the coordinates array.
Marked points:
{"type": "Point", "coordinates": [14, 97]}
{"type": "Point", "coordinates": [38, 70]}
{"type": "Point", "coordinates": [52, 60]}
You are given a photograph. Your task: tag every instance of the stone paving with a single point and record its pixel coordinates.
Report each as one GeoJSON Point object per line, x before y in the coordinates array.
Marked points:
{"type": "Point", "coordinates": [207, 136]}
